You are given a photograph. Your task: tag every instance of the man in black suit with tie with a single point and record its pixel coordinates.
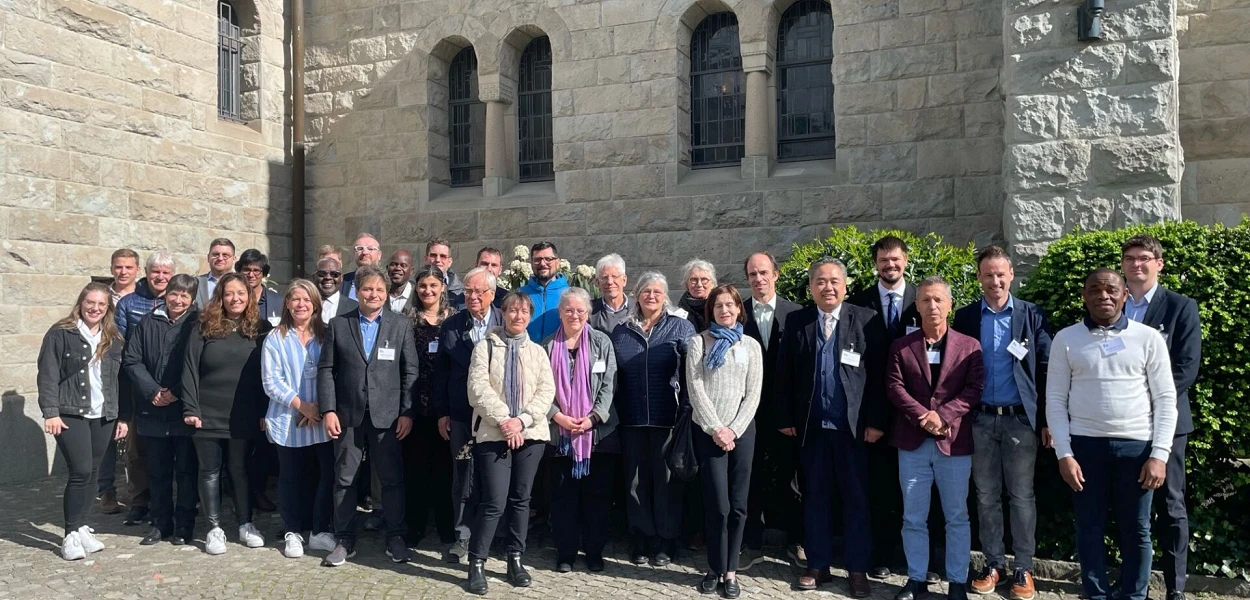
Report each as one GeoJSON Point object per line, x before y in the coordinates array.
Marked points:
{"type": "Point", "coordinates": [364, 385]}
{"type": "Point", "coordinates": [459, 334]}
{"type": "Point", "coordinates": [772, 499]}
{"type": "Point", "coordinates": [329, 277]}
{"type": "Point", "coordinates": [1176, 317]}
{"type": "Point", "coordinates": [830, 396]}
{"type": "Point", "coordinates": [894, 299]}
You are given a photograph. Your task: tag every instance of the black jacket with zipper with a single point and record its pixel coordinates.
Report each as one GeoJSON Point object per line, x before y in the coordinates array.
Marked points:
{"type": "Point", "coordinates": [156, 350]}
{"type": "Point", "coordinates": [63, 381]}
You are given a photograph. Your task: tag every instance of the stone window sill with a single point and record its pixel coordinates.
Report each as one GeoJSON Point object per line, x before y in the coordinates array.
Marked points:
{"type": "Point", "coordinates": [468, 198]}
{"type": "Point", "coordinates": [813, 173]}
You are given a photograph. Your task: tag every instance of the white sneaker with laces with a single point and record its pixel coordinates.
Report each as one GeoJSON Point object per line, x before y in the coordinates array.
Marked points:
{"type": "Point", "coordinates": [71, 547]}
{"type": "Point", "coordinates": [322, 542]}
{"type": "Point", "coordinates": [89, 542]}
{"type": "Point", "coordinates": [215, 541]}
{"type": "Point", "coordinates": [250, 536]}
{"type": "Point", "coordinates": [294, 547]}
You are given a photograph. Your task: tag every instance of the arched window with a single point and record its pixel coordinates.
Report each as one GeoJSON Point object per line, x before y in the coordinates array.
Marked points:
{"type": "Point", "coordinates": [805, 82]}
{"type": "Point", "coordinates": [534, 111]}
{"type": "Point", "coordinates": [229, 63]}
{"type": "Point", "coordinates": [467, 155]}
{"type": "Point", "coordinates": [717, 97]}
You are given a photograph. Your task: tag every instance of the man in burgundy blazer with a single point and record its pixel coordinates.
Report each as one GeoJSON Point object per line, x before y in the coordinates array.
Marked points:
{"type": "Point", "coordinates": [934, 376]}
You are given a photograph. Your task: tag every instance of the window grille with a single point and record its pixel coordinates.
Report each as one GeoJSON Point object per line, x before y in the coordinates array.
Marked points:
{"type": "Point", "coordinates": [534, 111]}
{"type": "Point", "coordinates": [229, 63]}
{"type": "Point", "coordinates": [467, 136]}
{"type": "Point", "coordinates": [805, 82]}
{"type": "Point", "coordinates": [717, 97]}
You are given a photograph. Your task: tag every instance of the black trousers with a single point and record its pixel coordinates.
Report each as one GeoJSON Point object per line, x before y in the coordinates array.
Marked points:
{"type": "Point", "coordinates": [213, 455]}
{"type": "Point", "coordinates": [171, 462]}
{"type": "Point", "coordinates": [262, 461]}
{"type": "Point", "coordinates": [507, 479]}
{"type": "Point", "coordinates": [773, 502]}
{"type": "Point", "coordinates": [580, 507]}
{"type": "Point", "coordinates": [726, 481]}
{"type": "Point", "coordinates": [82, 444]}
{"type": "Point", "coordinates": [387, 458]}
{"type": "Point", "coordinates": [107, 478]}
{"type": "Point", "coordinates": [427, 481]}
{"type": "Point", "coordinates": [836, 466]}
{"type": "Point", "coordinates": [1171, 524]}
{"type": "Point", "coordinates": [885, 501]}
{"type": "Point", "coordinates": [654, 502]}
{"type": "Point", "coordinates": [306, 503]}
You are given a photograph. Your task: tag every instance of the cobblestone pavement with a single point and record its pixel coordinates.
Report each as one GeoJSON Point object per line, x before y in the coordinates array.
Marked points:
{"type": "Point", "coordinates": [31, 568]}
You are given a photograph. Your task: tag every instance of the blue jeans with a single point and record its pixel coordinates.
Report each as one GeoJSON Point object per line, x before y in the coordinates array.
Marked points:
{"type": "Point", "coordinates": [1006, 451]}
{"type": "Point", "coordinates": [1111, 467]}
{"type": "Point", "coordinates": [917, 471]}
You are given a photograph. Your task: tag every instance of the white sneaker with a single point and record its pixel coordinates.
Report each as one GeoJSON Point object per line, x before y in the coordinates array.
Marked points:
{"type": "Point", "coordinates": [71, 547]}
{"type": "Point", "coordinates": [215, 541]}
{"type": "Point", "coordinates": [294, 547]}
{"type": "Point", "coordinates": [89, 542]}
{"type": "Point", "coordinates": [249, 536]}
{"type": "Point", "coordinates": [322, 542]}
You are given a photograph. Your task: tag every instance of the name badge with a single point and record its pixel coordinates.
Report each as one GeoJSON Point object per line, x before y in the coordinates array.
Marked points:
{"type": "Point", "coordinates": [911, 330]}
{"type": "Point", "coordinates": [433, 347]}
{"type": "Point", "coordinates": [599, 367]}
{"type": "Point", "coordinates": [1016, 349]}
{"type": "Point", "coordinates": [386, 354]}
{"type": "Point", "coordinates": [740, 356]}
{"type": "Point", "coordinates": [1112, 347]}
{"type": "Point", "coordinates": [850, 358]}
{"type": "Point", "coordinates": [935, 357]}
{"type": "Point", "coordinates": [275, 320]}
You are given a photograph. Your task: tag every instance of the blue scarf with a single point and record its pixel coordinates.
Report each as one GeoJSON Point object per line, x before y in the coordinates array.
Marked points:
{"type": "Point", "coordinates": [725, 337]}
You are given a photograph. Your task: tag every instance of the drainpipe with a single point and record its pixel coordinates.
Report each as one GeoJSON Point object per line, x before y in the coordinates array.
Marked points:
{"type": "Point", "coordinates": [297, 138]}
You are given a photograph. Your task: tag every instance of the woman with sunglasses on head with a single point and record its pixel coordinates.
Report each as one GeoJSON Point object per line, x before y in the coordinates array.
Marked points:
{"type": "Point", "coordinates": [79, 361]}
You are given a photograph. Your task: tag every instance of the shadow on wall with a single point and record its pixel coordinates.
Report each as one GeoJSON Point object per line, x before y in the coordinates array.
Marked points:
{"type": "Point", "coordinates": [24, 442]}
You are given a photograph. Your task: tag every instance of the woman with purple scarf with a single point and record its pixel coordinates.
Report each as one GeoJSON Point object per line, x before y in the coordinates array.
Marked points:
{"type": "Point", "coordinates": [583, 451]}
{"type": "Point", "coordinates": [510, 390]}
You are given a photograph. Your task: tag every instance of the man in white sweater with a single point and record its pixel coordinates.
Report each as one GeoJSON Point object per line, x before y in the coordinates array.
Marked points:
{"type": "Point", "coordinates": [1111, 407]}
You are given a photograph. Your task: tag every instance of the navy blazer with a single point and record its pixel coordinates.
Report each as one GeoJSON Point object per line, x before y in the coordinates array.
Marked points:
{"type": "Point", "coordinates": [871, 298]}
{"type": "Point", "coordinates": [350, 385]}
{"type": "Point", "coordinates": [1176, 317]}
{"type": "Point", "coordinates": [451, 367]}
{"type": "Point", "coordinates": [766, 416]}
{"type": "Point", "coordinates": [859, 330]}
{"type": "Point", "coordinates": [1029, 327]}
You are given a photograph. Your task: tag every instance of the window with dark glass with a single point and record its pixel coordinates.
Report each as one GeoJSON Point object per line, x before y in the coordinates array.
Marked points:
{"type": "Point", "coordinates": [467, 135]}
{"type": "Point", "coordinates": [717, 94]}
{"type": "Point", "coordinates": [534, 111]}
{"type": "Point", "coordinates": [805, 82]}
{"type": "Point", "coordinates": [229, 63]}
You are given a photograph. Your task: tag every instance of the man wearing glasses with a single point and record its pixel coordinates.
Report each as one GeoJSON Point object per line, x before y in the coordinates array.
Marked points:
{"type": "Point", "coordinates": [544, 289]}
{"type": "Point", "coordinates": [329, 278]}
{"type": "Point", "coordinates": [368, 253]}
{"type": "Point", "coordinates": [438, 253]}
{"type": "Point", "coordinates": [220, 261]}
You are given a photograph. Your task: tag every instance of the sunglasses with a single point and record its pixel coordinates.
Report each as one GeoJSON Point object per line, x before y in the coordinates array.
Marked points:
{"type": "Point", "coordinates": [334, 274]}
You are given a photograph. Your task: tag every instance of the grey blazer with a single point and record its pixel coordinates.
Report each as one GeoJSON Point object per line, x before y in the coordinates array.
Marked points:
{"type": "Point", "coordinates": [201, 292]}
{"type": "Point", "coordinates": [602, 386]}
{"type": "Point", "coordinates": [348, 384]}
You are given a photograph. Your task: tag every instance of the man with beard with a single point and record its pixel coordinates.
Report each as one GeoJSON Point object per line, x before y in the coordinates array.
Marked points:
{"type": "Point", "coordinates": [544, 289]}
{"type": "Point", "coordinates": [329, 282]}
{"type": "Point", "coordinates": [368, 253]}
{"type": "Point", "coordinates": [399, 273]}
{"type": "Point", "coordinates": [220, 261]}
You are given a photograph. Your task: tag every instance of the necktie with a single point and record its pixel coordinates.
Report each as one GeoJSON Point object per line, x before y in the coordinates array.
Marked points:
{"type": "Point", "coordinates": [892, 313]}
{"type": "Point", "coordinates": [827, 326]}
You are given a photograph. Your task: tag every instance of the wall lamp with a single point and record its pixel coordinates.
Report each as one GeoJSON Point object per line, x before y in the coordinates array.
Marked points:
{"type": "Point", "coordinates": [1089, 21]}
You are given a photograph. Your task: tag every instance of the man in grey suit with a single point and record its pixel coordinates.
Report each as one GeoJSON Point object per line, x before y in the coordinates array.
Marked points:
{"type": "Point", "coordinates": [220, 261]}
{"type": "Point", "coordinates": [364, 384]}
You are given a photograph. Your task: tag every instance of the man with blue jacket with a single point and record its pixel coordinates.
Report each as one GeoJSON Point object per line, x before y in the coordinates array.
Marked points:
{"type": "Point", "coordinates": [1008, 425]}
{"type": "Point", "coordinates": [544, 289]}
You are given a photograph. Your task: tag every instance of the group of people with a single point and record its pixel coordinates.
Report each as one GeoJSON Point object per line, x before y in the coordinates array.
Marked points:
{"type": "Point", "coordinates": [442, 394]}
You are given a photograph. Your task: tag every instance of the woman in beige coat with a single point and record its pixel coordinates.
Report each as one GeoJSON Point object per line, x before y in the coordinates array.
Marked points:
{"type": "Point", "coordinates": [511, 390]}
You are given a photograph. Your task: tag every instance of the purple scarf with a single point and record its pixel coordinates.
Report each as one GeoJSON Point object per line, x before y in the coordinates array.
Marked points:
{"type": "Point", "coordinates": [573, 397]}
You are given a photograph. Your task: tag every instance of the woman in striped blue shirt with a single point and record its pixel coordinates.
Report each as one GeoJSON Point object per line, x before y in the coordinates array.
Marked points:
{"type": "Point", "coordinates": [293, 422]}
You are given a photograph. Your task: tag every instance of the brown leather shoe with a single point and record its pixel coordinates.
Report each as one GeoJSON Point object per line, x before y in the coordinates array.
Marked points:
{"type": "Point", "coordinates": [813, 578]}
{"type": "Point", "coordinates": [987, 580]}
{"type": "Point", "coordinates": [108, 503]}
{"type": "Point", "coordinates": [1022, 585]}
{"type": "Point", "coordinates": [860, 588]}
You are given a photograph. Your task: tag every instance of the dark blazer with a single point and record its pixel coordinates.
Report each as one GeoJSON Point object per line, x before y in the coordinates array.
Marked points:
{"type": "Point", "coordinates": [345, 304]}
{"type": "Point", "coordinates": [911, 391]}
{"type": "Point", "coordinates": [1029, 327]}
{"type": "Point", "coordinates": [871, 298]}
{"type": "Point", "coordinates": [451, 373]}
{"type": "Point", "coordinates": [347, 384]}
{"type": "Point", "coordinates": [1176, 317]}
{"type": "Point", "coordinates": [766, 416]}
{"type": "Point", "coordinates": [859, 330]}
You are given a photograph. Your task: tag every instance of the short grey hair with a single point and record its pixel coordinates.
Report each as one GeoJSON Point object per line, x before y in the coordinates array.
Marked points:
{"type": "Point", "coordinates": [824, 262]}
{"type": "Point", "coordinates": [612, 260]}
{"type": "Point", "coordinates": [933, 280]}
{"type": "Point", "coordinates": [701, 265]}
{"type": "Point", "coordinates": [159, 258]}
{"type": "Point", "coordinates": [491, 281]}
{"type": "Point", "coordinates": [646, 280]}
{"type": "Point", "coordinates": [575, 293]}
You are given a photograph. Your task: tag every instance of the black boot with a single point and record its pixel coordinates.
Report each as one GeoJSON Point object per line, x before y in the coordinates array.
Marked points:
{"type": "Point", "coordinates": [914, 590]}
{"type": "Point", "coordinates": [956, 591]}
{"type": "Point", "coordinates": [517, 575]}
{"type": "Point", "coordinates": [477, 576]}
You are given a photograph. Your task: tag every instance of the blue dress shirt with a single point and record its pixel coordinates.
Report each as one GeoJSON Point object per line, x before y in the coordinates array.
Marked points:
{"type": "Point", "coordinates": [1000, 379]}
{"type": "Point", "coordinates": [369, 332]}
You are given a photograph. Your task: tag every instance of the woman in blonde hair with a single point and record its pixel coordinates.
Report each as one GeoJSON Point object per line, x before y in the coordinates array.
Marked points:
{"type": "Point", "coordinates": [78, 365]}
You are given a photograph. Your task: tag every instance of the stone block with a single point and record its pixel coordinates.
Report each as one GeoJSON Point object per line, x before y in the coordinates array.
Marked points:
{"type": "Point", "coordinates": [605, 218]}
{"type": "Point", "coordinates": [580, 16]}
{"type": "Point", "coordinates": [841, 204]}
{"type": "Point", "coordinates": [52, 164]}
{"type": "Point", "coordinates": [411, 228]}
{"type": "Point", "coordinates": [615, 152]}
{"type": "Point", "coordinates": [1089, 211]}
{"type": "Point", "coordinates": [644, 122]}
{"type": "Point", "coordinates": [674, 249]}
{"type": "Point", "coordinates": [1223, 99]}
{"type": "Point", "coordinates": [582, 128]}
{"type": "Point", "coordinates": [1231, 215]}
{"type": "Point", "coordinates": [1151, 61]}
{"type": "Point", "coordinates": [979, 53]}
{"type": "Point", "coordinates": [1035, 31]}
{"type": "Point", "coordinates": [633, 38]}
{"type": "Point", "coordinates": [1147, 205]}
{"type": "Point", "coordinates": [855, 38]}
{"type": "Point", "coordinates": [912, 93]}
{"type": "Point", "coordinates": [588, 44]}
{"type": "Point", "coordinates": [646, 66]}
{"type": "Point", "coordinates": [24, 68]}
{"type": "Point", "coordinates": [981, 230]}
{"type": "Point", "coordinates": [861, 98]}
{"type": "Point", "coordinates": [620, 12]}
{"type": "Point", "coordinates": [656, 214]}
{"type": "Point", "coordinates": [863, 11]}
{"type": "Point", "coordinates": [918, 199]}
{"type": "Point", "coordinates": [896, 33]}
{"type": "Point", "coordinates": [1032, 118]}
{"type": "Point", "coordinates": [27, 192]}
{"type": "Point", "coordinates": [1145, 19]}
{"type": "Point", "coordinates": [783, 208]}
{"type": "Point", "coordinates": [959, 158]}
{"type": "Point", "coordinates": [983, 120]}
{"type": "Point", "coordinates": [1033, 217]}
{"type": "Point", "coordinates": [1046, 165]}
{"type": "Point", "coordinates": [920, 7]}
{"type": "Point", "coordinates": [18, 256]}
{"type": "Point", "coordinates": [1139, 160]}
{"type": "Point", "coordinates": [968, 87]}
{"type": "Point", "coordinates": [915, 125]}
{"type": "Point", "coordinates": [852, 131]}
{"type": "Point", "coordinates": [613, 70]}
{"type": "Point", "coordinates": [1215, 139]}
{"type": "Point", "coordinates": [978, 196]}
{"type": "Point", "coordinates": [876, 164]}
{"type": "Point", "coordinates": [53, 227]}
{"type": "Point", "coordinates": [727, 211]}
{"type": "Point", "coordinates": [457, 225]}
{"type": "Point", "coordinates": [1054, 70]}
{"type": "Point", "coordinates": [88, 18]}
{"type": "Point", "coordinates": [1143, 109]}
{"type": "Point", "coordinates": [645, 181]}
{"type": "Point", "coordinates": [900, 63]}
{"type": "Point", "coordinates": [611, 98]}
{"type": "Point", "coordinates": [852, 68]}
{"type": "Point", "coordinates": [91, 200]}
{"type": "Point", "coordinates": [983, 21]}
{"type": "Point", "coordinates": [1219, 181]}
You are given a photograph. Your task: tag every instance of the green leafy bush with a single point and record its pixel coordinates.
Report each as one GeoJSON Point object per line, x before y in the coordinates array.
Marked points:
{"type": "Point", "coordinates": [1204, 263]}
{"type": "Point", "coordinates": [928, 256]}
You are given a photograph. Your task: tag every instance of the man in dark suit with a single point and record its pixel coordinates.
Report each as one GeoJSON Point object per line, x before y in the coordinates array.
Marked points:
{"type": "Point", "coordinates": [460, 332]}
{"type": "Point", "coordinates": [772, 497]}
{"type": "Point", "coordinates": [220, 261]}
{"type": "Point", "coordinates": [1176, 317]}
{"type": "Point", "coordinates": [934, 377]}
{"type": "Point", "coordinates": [829, 396]}
{"type": "Point", "coordinates": [329, 277]}
{"type": "Point", "coordinates": [895, 300]}
{"type": "Point", "coordinates": [368, 253]}
{"type": "Point", "coordinates": [1007, 425]}
{"type": "Point", "coordinates": [490, 259]}
{"type": "Point", "coordinates": [364, 384]}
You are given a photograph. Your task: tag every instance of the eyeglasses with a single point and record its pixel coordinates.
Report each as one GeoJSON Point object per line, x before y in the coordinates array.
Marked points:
{"type": "Point", "coordinates": [472, 293]}
{"type": "Point", "coordinates": [703, 281]}
{"type": "Point", "coordinates": [252, 270]}
{"type": "Point", "coordinates": [1137, 260]}
{"type": "Point", "coordinates": [443, 256]}
{"type": "Point", "coordinates": [366, 248]}
{"type": "Point", "coordinates": [545, 259]}
{"type": "Point", "coordinates": [220, 255]}
{"type": "Point", "coordinates": [575, 312]}
{"type": "Point", "coordinates": [324, 274]}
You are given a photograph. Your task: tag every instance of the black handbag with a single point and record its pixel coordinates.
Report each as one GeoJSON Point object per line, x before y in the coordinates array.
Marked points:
{"type": "Point", "coordinates": [679, 449]}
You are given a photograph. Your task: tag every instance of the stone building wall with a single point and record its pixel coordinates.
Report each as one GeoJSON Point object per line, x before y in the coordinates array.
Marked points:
{"type": "Point", "coordinates": [109, 137]}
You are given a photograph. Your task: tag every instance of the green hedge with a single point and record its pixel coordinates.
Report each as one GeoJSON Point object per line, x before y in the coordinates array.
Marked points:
{"type": "Point", "coordinates": [1204, 263]}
